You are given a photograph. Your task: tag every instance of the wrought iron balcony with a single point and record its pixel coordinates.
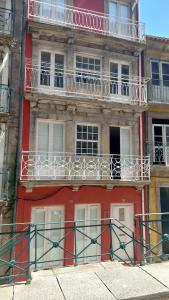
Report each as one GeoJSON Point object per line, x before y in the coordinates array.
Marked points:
{"type": "Point", "coordinates": [4, 178]}
{"type": "Point", "coordinates": [84, 85]}
{"type": "Point", "coordinates": [5, 21]}
{"type": "Point", "coordinates": [73, 17]}
{"type": "Point", "coordinates": [159, 153]}
{"type": "Point", "coordinates": [4, 98]}
{"type": "Point", "coordinates": [158, 91]}
{"type": "Point", "coordinates": [53, 166]}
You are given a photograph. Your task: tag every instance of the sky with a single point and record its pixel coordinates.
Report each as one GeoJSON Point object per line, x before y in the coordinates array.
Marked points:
{"type": "Point", "coordinates": [155, 13]}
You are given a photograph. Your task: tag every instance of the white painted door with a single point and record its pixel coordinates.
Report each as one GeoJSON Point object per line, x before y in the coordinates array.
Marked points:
{"type": "Point", "coordinates": [49, 220]}
{"type": "Point", "coordinates": [123, 218]}
{"type": "Point", "coordinates": [127, 169]}
{"type": "Point", "coordinates": [49, 156]}
{"type": "Point", "coordinates": [87, 215]}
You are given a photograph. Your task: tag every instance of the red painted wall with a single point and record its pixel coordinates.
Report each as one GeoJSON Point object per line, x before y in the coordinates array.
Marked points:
{"type": "Point", "coordinates": [52, 196]}
{"type": "Point", "coordinates": [95, 5]}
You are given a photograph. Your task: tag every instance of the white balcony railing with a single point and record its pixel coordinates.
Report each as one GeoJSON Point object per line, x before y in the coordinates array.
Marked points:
{"type": "Point", "coordinates": [45, 12]}
{"type": "Point", "coordinates": [53, 166]}
{"type": "Point", "coordinates": [80, 84]}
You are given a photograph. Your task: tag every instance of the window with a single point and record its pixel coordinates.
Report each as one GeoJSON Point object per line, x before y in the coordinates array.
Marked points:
{"type": "Point", "coordinates": [52, 10]}
{"type": "Point", "coordinates": [160, 73]}
{"type": "Point", "coordinates": [49, 137]}
{"type": "Point", "coordinates": [119, 79]}
{"type": "Point", "coordinates": [160, 143]}
{"type": "Point", "coordinates": [119, 10]}
{"type": "Point", "coordinates": [87, 137]}
{"type": "Point", "coordinates": [119, 19]}
{"type": "Point", "coordinates": [52, 70]}
{"type": "Point", "coordinates": [87, 69]}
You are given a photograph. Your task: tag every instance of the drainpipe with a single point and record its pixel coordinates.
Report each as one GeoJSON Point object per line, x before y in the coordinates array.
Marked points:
{"type": "Point", "coordinates": [141, 151]}
{"type": "Point", "coordinates": [21, 95]}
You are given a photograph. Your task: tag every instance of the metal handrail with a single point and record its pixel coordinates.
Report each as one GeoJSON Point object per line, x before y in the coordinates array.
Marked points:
{"type": "Point", "coordinates": [86, 20]}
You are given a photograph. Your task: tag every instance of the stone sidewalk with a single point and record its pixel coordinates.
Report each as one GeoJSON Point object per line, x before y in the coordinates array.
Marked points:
{"type": "Point", "coordinates": [101, 281]}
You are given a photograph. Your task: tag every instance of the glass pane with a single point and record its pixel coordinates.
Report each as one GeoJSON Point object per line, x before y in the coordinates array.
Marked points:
{"type": "Point", "coordinates": [124, 12]}
{"type": "Point", "coordinates": [45, 68]}
{"type": "Point", "coordinates": [59, 70]}
{"type": "Point", "coordinates": [43, 137]}
{"type": "Point", "coordinates": [155, 73]}
{"type": "Point", "coordinates": [121, 214]}
{"type": "Point", "coordinates": [113, 9]}
{"type": "Point", "coordinates": [58, 138]}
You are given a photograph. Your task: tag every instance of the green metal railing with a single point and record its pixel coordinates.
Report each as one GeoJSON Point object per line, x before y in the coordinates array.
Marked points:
{"type": "Point", "coordinates": [5, 95]}
{"type": "Point", "coordinates": [28, 247]}
{"type": "Point", "coordinates": [154, 236]}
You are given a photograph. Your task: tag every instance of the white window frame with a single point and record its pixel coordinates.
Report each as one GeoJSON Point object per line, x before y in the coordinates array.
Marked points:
{"type": "Point", "coordinates": [131, 138]}
{"type": "Point", "coordinates": [160, 63]}
{"type": "Point", "coordinates": [119, 4]}
{"type": "Point", "coordinates": [50, 136]}
{"type": "Point", "coordinates": [88, 55]}
{"type": "Point", "coordinates": [120, 63]}
{"type": "Point", "coordinates": [52, 70]}
{"type": "Point", "coordinates": [98, 142]}
{"type": "Point", "coordinates": [163, 140]}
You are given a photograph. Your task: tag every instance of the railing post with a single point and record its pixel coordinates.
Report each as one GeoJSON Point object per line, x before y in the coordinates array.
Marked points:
{"type": "Point", "coordinates": [111, 243]}
{"type": "Point", "coordinates": [28, 281]}
{"type": "Point", "coordinates": [35, 226]}
{"type": "Point", "coordinates": [141, 242]}
{"type": "Point", "coordinates": [75, 244]}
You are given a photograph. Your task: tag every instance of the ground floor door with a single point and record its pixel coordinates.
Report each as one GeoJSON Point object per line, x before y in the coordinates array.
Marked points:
{"type": "Point", "coordinates": [87, 219]}
{"type": "Point", "coordinates": [49, 222]}
{"type": "Point", "coordinates": [164, 199]}
{"type": "Point", "coordinates": [123, 219]}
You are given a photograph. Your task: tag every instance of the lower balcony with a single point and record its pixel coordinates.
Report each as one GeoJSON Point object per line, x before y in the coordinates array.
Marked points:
{"type": "Point", "coordinates": [4, 177]}
{"type": "Point", "coordinates": [88, 85]}
{"type": "Point", "coordinates": [71, 167]}
{"type": "Point", "coordinates": [158, 92]}
{"type": "Point", "coordinates": [4, 98]}
{"type": "Point", "coordinates": [159, 154]}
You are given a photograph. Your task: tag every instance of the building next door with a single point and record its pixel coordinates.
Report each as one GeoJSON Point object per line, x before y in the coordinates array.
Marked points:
{"type": "Point", "coordinates": [49, 220]}
{"type": "Point", "coordinates": [123, 219]}
{"type": "Point", "coordinates": [87, 218]}
{"type": "Point", "coordinates": [164, 199]}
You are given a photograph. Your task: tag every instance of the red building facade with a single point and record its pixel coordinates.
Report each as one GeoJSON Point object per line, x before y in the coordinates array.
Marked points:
{"type": "Point", "coordinates": [82, 141]}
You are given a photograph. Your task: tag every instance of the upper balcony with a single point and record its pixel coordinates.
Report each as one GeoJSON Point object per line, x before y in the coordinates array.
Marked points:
{"type": "Point", "coordinates": [67, 168]}
{"type": "Point", "coordinates": [5, 22]}
{"type": "Point", "coordinates": [77, 18]}
{"type": "Point", "coordinates": [158, 91]}
{"type": "Point", "coordinates": [84, 85]}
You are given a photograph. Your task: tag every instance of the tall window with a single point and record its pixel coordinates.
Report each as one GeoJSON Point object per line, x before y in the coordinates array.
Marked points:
{"type": "Point", "coordinates": [161, 143]}
{"type": "Point", "coordinates": [119, 79]}
{"type": "Point", "coordinates": [52, 70]}
{"type": "Point", "coordinates": [87, 140]}
{"type": "Point", "coordinates": [52, 10]}
{"type": "Point", "coordinates": [49, 137]}
{"type": "Point", "coordinates": [160, 73]}
{"type": "Point", "coordinates": [119, 18]}
{"type": "Point", "coordinates": [87, 69]}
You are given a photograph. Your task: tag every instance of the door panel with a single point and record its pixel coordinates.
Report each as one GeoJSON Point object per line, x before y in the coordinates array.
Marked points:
{"type": "Point", "coordinates": [125, 215]}
{"type": "Point", "coordinates": [45, 238]}
{"type": "Point", "coordinates": [85, 214]}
